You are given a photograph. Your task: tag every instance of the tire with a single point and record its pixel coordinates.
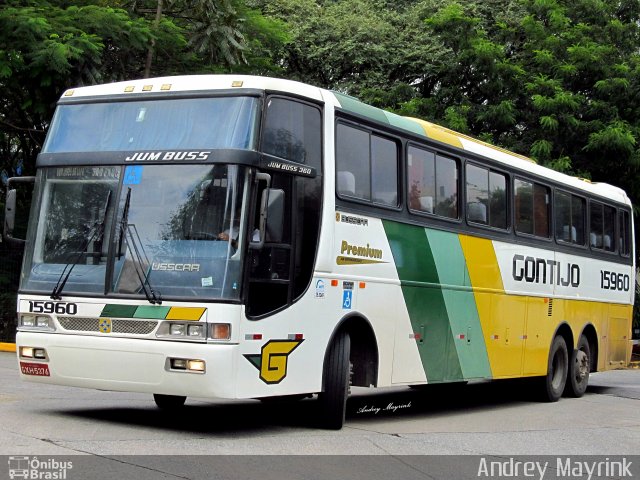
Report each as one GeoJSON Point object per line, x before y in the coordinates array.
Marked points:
{"type": "Point", "coordinates": [336, 376]}
{"type": "Point", "coordinates": [169, 402]}
{"type": "Point", "coordinates": [579, 368]}
{"type": "Point", "coordinates": [557, 370]}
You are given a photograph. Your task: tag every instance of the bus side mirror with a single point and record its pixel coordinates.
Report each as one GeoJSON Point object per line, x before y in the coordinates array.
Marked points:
{"type": "Point", "coordinates": [271, 221]}
{"type": "Point", "coordinates": [275, 215]}
{"type": "Point", "coordinates": [10, 207]}
{"type": "Point", "coordinates": [10, 213]}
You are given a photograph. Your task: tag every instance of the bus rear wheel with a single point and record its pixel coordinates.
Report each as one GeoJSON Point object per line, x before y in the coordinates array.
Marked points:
{"type": "Point", "coordinates": [557, 369]}
{"type": "Point", "coordinates": [579, 369]}
{"type": "Point", "coordinates": [337, 368]}
{"type": "Point", "coordinates": [169, 402]}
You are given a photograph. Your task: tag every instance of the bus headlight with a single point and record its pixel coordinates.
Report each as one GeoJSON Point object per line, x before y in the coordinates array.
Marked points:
{"type": "Point", "coordinates": [177, 329]}
{"type": "Point", "coordinates": [189, 331]}
{"type": "Point", "coordinates": [36, 322]}
{"type": "Point", "coordinates": [195, 330]}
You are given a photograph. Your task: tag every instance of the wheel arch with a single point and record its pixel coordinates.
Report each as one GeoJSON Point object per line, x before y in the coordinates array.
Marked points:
{"type": "Point", "coordinates": [364, 349]}
{"type": "Point", "coordinates": [564, 330]}
{"type": "Point", "coordinates": [589, 331]}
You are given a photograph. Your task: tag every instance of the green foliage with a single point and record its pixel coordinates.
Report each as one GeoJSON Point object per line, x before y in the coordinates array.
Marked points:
{"type": "Point", "coordinates": [49, 46]}
{"type": "Point", "coordinates": [554, 79]}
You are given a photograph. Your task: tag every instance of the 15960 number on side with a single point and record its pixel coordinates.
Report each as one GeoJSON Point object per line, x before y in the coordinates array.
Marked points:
{"type": "Point", "coordinates": [614, 281]}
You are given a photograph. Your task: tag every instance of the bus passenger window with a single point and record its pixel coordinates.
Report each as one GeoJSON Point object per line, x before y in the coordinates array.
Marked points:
{"type": "Point", "coordinates": [352, 162]}
{"type": "Point", "coordinates": [384, 171]}
{"type": "Point", "coordinates": [624, 229]}
{"type": "Point", "coordinates": [477, 194]}
{"type": "Point", "coordinates": [602, 227]}
{"type": "Point", "coordinates": [532, 208]}
{"type": "Point", "coordinates": [433, 183]}
{"type": "Point", "coordinates": [524, 206]}
{"type": "Point", "coordinates": [569, 218]}
{"type": "Point", "coordinates": [486, 197]}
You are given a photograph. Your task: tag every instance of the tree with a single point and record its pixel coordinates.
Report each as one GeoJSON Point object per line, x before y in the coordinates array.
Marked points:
{"type": "Point", "coordinates": [556, 80]}
{"type": "Point", "coordinates": [47, 46]}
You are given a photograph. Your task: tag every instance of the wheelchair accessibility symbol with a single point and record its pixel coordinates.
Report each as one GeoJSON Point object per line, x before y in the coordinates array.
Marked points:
{"type": "Point", "coordinates": [347, 299]}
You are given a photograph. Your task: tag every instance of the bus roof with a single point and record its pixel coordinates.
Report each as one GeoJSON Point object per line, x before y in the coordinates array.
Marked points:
{"type": "Point", "coordinates": [203, 83]}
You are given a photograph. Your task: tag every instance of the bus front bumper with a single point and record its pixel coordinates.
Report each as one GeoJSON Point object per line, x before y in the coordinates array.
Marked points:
{"type": "Point", "coordinates": [129, 365]}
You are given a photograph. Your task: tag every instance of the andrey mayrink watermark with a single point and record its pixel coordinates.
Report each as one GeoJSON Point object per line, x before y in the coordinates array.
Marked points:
{"type": "Point", "coordinates": [561, 468]}
{"type": "Point", "coordinates": [391, 407]}
{"type": "Point", "coordinates": [32, 468]}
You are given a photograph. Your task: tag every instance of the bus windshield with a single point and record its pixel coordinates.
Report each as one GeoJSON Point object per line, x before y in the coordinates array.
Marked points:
{"type": "Point", "coordinates": [187, 123]}
{"type": "Point", "coordinates": [175, 229]}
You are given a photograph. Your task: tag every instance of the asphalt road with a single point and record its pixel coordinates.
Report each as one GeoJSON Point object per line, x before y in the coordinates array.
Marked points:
{"type": "Point", "coordinates": [494, 418]}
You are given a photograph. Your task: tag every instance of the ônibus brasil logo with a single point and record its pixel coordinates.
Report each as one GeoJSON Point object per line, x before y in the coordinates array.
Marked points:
{"type": "Point", "coordinates": [35, 469]}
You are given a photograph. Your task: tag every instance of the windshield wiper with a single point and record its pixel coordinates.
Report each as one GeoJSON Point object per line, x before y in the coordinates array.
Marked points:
{"type": "Point", "coordinates": [129, 234]}
{"type": "Point", "coordinates": [97, 231]}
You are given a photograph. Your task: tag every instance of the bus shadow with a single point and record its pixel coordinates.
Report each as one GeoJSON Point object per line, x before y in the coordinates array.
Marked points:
{"type": "Point", "coordinates": [252, 416]}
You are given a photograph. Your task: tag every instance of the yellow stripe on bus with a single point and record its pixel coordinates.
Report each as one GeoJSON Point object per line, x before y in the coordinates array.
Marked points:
{"type": "Point", "coordinates": [185, 313]}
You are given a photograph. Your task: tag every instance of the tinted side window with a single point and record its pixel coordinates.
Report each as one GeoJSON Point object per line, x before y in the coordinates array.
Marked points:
{"type": "Point", "coordinates": [367, 166]}
{"type": "Point", "coordinates": [293, 131]}
{"type": "Point", "coordinates": [384, 171]}
{"type": "Point", "coordinates": [433, 183]}
{"type": "Point", "coordinates": [602, 227]}
{"type": "Point", "coordinates": [486, 197]}
{"type": "Point", "coordinates": [498, 200]}
{"type": "Point", "coordinates": [624, 240]}
{"type": "Point", "coordinates": [570, 214]}
{"type": "Point", "coordinates": [352, 162]}
{"type": "Point", "coordinates": [532, 208]}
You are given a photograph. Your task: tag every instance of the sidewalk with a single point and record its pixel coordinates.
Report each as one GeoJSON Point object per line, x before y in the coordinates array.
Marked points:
{"type": "Point", "coordinates": [7, 347]}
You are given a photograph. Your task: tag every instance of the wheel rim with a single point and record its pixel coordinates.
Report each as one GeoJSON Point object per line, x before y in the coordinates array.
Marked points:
{"type": "Point", "coordinates": [557, 366]}
{"type": "Point", "coordinates": [581, 366]}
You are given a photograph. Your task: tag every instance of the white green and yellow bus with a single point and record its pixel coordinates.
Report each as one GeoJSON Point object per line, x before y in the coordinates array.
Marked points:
{"type": "Point", "coordinates": [243, 237]}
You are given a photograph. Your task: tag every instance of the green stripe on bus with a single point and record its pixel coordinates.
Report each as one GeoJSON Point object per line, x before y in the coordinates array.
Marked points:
{"type": "Point", "coordinates": [406, 124]}
{"type": "Point", "coordinates": [152, 312]}
{"type": "Point", "coordinates": [425, 301]}
{"type": "Point", "coordinates": [121, 311]}
{"type": "Point", "coordinates": [356, 106]}
{"type": "Point", "coordinates": [460, 303]}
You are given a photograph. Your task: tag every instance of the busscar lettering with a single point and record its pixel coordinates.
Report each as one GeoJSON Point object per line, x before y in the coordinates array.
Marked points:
{"type": "Point", "coordinates": [544, 271]}
{"type": "Point", "coordinates": [168, 156]}
{"type": "Point", "coordinates": [175, 267]}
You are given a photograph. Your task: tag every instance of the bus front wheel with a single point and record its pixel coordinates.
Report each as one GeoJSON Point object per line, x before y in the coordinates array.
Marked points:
{"type": "Point", "coordinates": [557, 370]}
{"type": "Point", "coordinates": [333, 398]}
{"type": "Point", "coordinates": [579, 369]}
{"type": "Point", "coordinates": [168, 402]}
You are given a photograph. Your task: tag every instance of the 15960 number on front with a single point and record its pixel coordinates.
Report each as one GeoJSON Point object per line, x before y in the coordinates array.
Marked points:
{"type": "Point", "coordinates": [59, 308]}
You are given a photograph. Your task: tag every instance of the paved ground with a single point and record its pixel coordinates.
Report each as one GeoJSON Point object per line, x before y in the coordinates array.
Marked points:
{"type": "Point", "coordinates": [496, 418]}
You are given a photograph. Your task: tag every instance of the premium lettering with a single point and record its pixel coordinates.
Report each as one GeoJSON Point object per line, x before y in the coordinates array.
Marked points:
{"type": "Point", "coordinates": [360, 251]}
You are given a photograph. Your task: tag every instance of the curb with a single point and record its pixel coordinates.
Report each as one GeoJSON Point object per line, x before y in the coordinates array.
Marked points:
{"type": "Point", "coordinates": [7, 347]}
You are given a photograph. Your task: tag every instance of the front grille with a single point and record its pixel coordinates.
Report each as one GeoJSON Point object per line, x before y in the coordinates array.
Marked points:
{"type": "Point", "coordinates": [132, 327]}
{"type": "Point", "coordinates": [79, 324]}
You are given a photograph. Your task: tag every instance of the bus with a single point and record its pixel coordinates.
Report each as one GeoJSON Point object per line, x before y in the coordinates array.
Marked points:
{"type": "Point", "coordinates": [240, 237]}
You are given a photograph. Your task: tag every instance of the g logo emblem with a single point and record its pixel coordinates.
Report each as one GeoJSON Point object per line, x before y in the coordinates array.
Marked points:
{"type": "Point", "coordinates": [272, 361]}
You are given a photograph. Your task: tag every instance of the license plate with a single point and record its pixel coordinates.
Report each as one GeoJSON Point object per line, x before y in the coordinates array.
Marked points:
{"type": "Point", "coordinates": [36, 369]}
